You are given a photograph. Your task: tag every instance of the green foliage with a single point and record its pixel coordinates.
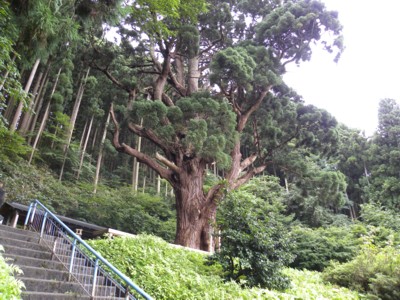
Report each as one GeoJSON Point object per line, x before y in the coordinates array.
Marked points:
{"type": "Point", "coordinates": [167, 272]}
{"type": "Point", "coordinates": [291, 28]}
{"type": "Point", "coordinates": [316, 248]}
{"type": "Point", "coordinates": [10, 288]}
{"type": "Point", "coordinates": [255, 244]}
{"type": "Point", "coordinates": [125, 210]}
{"type": "Point", "coordinates": [205, 126]}
{"type": "Point", "coordinates": [162, 18]}
{"type": "Point", "coordinates": [232, 65]}
{"type": "Point", "coordinates": [12, 145]}
{"type": "Point", "coordinates": [374, 270]}
{"type": "Point", "coordinates": [10, 85]}
{"type": "Point", "coordinates": [318, 190]}
{"type": "Point", "coordinates": [384, 157]}
{"type": "Point", "coordinates": [378, 215]}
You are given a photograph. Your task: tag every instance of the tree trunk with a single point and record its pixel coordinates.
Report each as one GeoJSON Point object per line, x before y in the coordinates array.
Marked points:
{"type": "Point", "coordinates": [100, 157]}
{"type": "Point", "coordinates": [74, 115]}
{"type": "Point", "coordinates": [40, 131]}
{"type": "Point", "coordinates": [45, 117]}
{"type": "Point", "coordinates": [27, 115]}
{"type": "Point", "coordinates": [84, 147]}
{"type": "Point", "coordinates": [17, 114]}
{"type": "Point", "coordinates": [77, 105]}
{"type": "Point", "coordinates": [39, 104]}
{"type": "Point", "coordinates": [193, 211]}
{"type": "Point", "coordinates": [194, 75]}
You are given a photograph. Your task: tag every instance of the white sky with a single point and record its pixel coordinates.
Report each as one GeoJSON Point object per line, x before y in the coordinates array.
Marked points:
{"type": "Point", "coordinates": [367, 71]}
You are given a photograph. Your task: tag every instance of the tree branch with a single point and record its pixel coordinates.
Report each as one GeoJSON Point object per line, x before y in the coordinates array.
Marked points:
{"type": "Point", "coordinates": [247, 176]}
{"type": "Point", "coordinates": [141, 157]}
{"type": "Point", "coordinates": [244, 117]}
{"type": "Point", "coordinates": [150, 135]}
{"type": "Point", "coordinates": [168, 163]}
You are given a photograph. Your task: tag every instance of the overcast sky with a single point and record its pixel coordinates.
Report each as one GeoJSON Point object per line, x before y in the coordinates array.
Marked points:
{"type": "Point", "coordinates": [367, 71]}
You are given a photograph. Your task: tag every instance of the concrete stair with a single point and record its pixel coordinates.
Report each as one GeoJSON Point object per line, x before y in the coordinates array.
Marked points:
{"type": "Point", "coordinates": [44, 278]}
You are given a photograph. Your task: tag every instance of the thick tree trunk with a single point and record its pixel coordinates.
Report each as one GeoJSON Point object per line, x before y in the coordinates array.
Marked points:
{"type": "Point", "coordinates": [194, 212]}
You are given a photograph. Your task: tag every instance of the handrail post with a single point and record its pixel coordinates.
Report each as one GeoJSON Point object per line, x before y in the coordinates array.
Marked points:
{"type": "Point", "coordinates": [33, 213]}
{"type": "Point", "coordinates": [96, 268]}
{"type": "Point", "coordinates": [71, 263]}
{"type": "Point", "coordinates": [27, 216]}
{"type": "Point", "coordinates": [43, 226]}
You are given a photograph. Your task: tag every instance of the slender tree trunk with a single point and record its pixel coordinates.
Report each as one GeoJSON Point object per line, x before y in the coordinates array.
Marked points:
{"type": "Point", "coordinates": [136, 164]}
{"type": "Point", "coordinates": [84, 147]}
{"type": "Point", "coordinates": [10, 109]}
{"type": "Point", "coordinates": [39, 104]}
{"type": "Point", "coordinates": [194, 75]}
{"type": "Point", "coordinates": [77, 105]}
{"type": "Point", "coordinates": [45, 117]}
{"type": "Point", "coordinates": [158, 185]}
{"type": "Point", "coordinates": [26, 116]}
{"type": "Point", "coordinates": [40, 131]}
{"type": "Point", "coordinates": [74, 115]}
{"type": "Point", "coordinates": [100, 157]}
{"type": "Point", "coordinates": [17, 114]}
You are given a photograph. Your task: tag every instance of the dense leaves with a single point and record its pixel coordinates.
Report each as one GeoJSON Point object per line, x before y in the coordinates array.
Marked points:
{"type": "Point", "coordinates": [255, 244]}
{"type": "Point", "coordinates": [167, 272]}
{"type": "Point", "coordinates": [10, 287]}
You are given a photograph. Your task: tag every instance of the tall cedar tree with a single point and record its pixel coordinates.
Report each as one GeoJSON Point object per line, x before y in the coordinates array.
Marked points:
{"type": "Point", "coordinates": [207, 74]}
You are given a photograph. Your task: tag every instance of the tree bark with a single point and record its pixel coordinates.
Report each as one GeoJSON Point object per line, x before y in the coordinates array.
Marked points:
{"type": "Point", "coordinates": [39, 104]}
{"type": "Point", "coordinates": [193, 74]}
{"type": "Point", "coordinates": [17, 113]}
{"type": "Point", "coordinates": [45, 117]}
{"type": "Point", "coordinates": [27, 115]}
{"type": "Point", "coordinates": [100, 157]}
{"type": "Point", "coordinates": [194, 211]}
{"type": "Point", "coordinates": [84, 147]}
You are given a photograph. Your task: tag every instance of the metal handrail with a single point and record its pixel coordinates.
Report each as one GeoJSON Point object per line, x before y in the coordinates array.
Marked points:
{"type": "Point", "coordinates": [76, 240]}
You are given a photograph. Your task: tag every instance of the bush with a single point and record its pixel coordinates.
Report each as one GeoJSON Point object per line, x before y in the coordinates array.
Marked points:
{"type": "Point", "coordinates": [10, 288]}
{"type": "Point", "coordinates": [255, 244]}
{"type": "Point", "coordinates": [315, 248]}
{"type": "Point", "coordinates": [374, 270]}
{"type": "Point", "coordinates": [168, 272]}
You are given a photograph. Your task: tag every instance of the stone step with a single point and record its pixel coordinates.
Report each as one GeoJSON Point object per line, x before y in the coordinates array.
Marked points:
{"type": "Point", "coordinates": [18, 251]}
{"type": "Point", "coordinates": [12, 230]}
{"type": "Point", "coordinates": [18, 234]}
{"type": "Point", "coordinates": [34, 262]}
{"type": "Point", "coordinates": [63, 296]}
{"type": "Point", "coordinates": [51, 286]}
{"type": "Point", "coordinates": [43, 273]}
{"type": "Point", "coordinates": [22, 244]}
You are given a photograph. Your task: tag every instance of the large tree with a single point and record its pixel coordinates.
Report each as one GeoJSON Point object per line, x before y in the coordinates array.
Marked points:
{"type": "Point", "coordinates": [211, 72]}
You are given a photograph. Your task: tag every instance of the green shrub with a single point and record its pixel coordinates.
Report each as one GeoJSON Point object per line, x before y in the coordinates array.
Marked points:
{"type": "Point", "coordinates": [315, 248]}
{"type": "Point", "coordinates": [377, 215]}
{"type": "Point", "coordinates": [168, 272]}
{"type": "Point", "coordinates": [10, 288]}
{"type": "Point", "coordinates": [255, 244]}
{"type": "Point", "coordinates": [12, 145]}
{"type": "Point", "coordinates": [374, 270]}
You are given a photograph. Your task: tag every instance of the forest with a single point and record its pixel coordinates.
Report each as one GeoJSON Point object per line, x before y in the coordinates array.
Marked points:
{"type": "Point", "coordinates": [172, 119]}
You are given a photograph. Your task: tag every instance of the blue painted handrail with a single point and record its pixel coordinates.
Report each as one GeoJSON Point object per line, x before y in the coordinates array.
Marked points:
{"type": "Point", "coordinates": [29, 219]}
